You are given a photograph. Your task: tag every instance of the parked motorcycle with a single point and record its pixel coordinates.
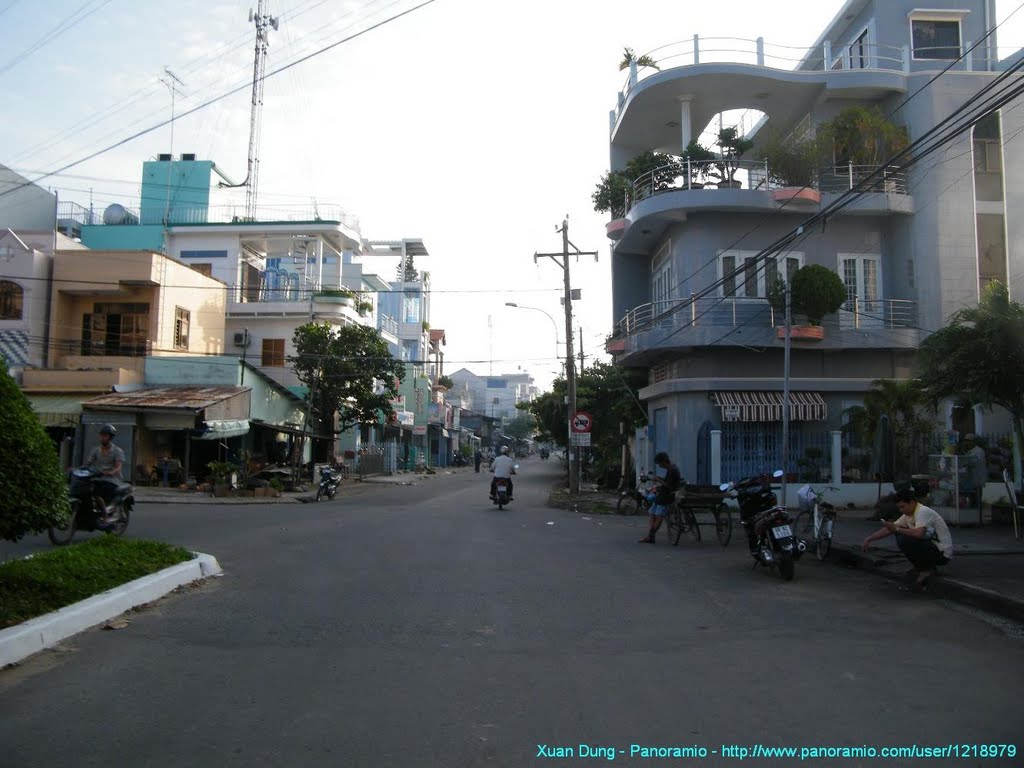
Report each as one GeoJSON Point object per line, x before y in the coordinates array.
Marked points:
{"type": "Point", "coordinates": [459, 459]}
{"type": "Point", "coordinates": [329, 481]}
{"type": "Point", "coordinates": [769, 526]}
{"type": "Point", "coordinates": [88, 510]}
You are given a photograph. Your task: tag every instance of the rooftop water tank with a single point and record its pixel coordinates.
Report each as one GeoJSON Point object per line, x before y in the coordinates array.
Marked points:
{"type": "Point", "coordinates": [118, 214]}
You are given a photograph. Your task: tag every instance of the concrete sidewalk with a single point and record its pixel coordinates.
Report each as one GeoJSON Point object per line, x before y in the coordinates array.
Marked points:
{"type": "Point", "coordinates": [155, 495]}
{"type": "Point", "coordinates": [987, 569]}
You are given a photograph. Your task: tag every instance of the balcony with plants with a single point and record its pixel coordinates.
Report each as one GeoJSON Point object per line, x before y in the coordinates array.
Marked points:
{"type": "Point", "coordinates": [825, 314]}
{"type": "Point", "coordinates": [768, 172]}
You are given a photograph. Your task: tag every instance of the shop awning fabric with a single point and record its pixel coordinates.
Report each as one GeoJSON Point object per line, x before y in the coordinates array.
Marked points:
{"type": "Point", "coordinates": [221, 430]}
{"type": "Point", "coordinates": [767, 406]}
{"type": "Point", "coordinates": [58, 410]}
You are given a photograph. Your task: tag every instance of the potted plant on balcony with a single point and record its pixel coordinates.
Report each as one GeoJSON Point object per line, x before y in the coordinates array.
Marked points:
{"type": "Point", "coordinates": [861, 139]}
{"type": "Point", "coordinates": [697, 159]}
{"type": "Point", "coordinates": [731, 147]}
{"type": "Point", "coordinates": [628, 57]}
{"type": "Point", "coordinates": [341, 296]}
{"type": "Point", "coordinates": [644, 175]}
{"type": "Point", "coordinates": [793, 166]}
{"type": "Point", "coordinates": [816, 291]}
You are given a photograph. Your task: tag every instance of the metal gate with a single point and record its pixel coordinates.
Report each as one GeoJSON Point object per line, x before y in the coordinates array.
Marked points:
{"type": "Point", "coordinates": [753, 448]}
{"type": "Point", "coordinates": [704, 454]}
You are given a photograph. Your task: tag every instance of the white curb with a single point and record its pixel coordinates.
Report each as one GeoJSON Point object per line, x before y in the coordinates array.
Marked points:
{"type": "Point", "coordinates": [23, 640]}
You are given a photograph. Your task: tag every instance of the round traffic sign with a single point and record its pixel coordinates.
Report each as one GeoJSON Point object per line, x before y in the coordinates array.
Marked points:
{"type": "Point", "coordinates": [582, 422]}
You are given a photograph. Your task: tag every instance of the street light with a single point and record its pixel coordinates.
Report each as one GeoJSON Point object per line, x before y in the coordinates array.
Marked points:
{"type": "Point", "coordinates": [549, 317]}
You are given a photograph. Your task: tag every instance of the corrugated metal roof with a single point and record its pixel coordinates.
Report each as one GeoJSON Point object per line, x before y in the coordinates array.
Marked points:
{"type": "Point", "coordinates": [183, 398]}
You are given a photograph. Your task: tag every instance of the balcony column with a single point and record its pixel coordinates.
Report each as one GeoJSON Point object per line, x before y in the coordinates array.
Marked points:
{"type": "Point", "coordinates": [827, 52]}
{"type": "Point", "coordinates": [760, 51]}
{"type": "Point", "coordinates": [633, 75]}
{"type": "Point", "coordinates": [696, 49]}
{"type": "Point", "coordinates": [685, 123]}
{"type": "Point", "coordinates": [319, 263]}
{"type": "Point", "coordinates": [716, 456]}
{"type": "Point", "coordinates": [837, 456]}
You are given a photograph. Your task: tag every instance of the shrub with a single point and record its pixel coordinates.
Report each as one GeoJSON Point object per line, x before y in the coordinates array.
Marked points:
{"type": "Point", "coordinates": [32, 486]}
{"type": "Point", "coordinates": [817, 291]}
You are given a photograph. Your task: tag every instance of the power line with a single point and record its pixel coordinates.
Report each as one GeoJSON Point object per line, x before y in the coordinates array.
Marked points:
{"type": "Point", "coordinates": [224, 95]}
{"type": "Point", "coordinates": [52, 34]}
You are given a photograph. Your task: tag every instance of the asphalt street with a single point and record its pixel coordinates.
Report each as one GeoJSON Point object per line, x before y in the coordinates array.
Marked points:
{"type": "Point", "coordinates": [419, 626]}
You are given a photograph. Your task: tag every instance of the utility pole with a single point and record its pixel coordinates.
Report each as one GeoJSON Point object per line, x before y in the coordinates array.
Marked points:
{"type": "Point", "coordinates": [785, 395]}
{"type": "Point", "coordinates": [562, 260]}
{"type": "Point", "coordinates": [582, 356]}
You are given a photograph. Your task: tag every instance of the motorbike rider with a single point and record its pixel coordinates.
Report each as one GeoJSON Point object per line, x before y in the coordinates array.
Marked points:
{"type": "Point", "coordinates": [503, 467]}
{"type": "Point", "coordinates": [107, 459]}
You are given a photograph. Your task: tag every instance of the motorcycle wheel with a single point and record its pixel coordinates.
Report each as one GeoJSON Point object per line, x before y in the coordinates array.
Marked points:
{"type": "Point", "coordinates": [60, 536]}
{"type": "Point", "coordinates": [119, 526]}
{"type": "Point", "coordinates": [824, 542]}
{"type": "Point", "coordinates": [690, 525]}
{"type": "Point", "coordinates": [501, 505]}
{"type": "Point", "coordinates": [319, 493]}
{"type": "Point", "coordinates": [787, 567]}
{"type": "Point", "coordinates": [628, 504]}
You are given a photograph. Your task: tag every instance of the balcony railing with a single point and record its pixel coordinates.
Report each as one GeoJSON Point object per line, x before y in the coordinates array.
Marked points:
{"type": "Point", "coordinates": [214, 214]}
{"type": "Point", "coordinates": [388, 324]}
{"type": "Point", "coordinates": [757, 52]}
{"type": "Point", "coordinates": [726, 312]}
{"type": "Point", "coordinates": [756, 175]}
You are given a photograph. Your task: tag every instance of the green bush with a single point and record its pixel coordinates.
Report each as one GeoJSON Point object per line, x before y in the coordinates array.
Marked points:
{"type": "Point", "coordinates": [32, 487]}
{"type": "Point", "coordinates": [817, 291]}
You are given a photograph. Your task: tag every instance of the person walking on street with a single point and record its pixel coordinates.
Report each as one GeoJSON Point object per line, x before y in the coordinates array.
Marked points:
{"type": "Point", "coordinates": [665, 494]}
{"type": "Point", "coordinates": [478, 458]}
{"type": "Point", "coordinates": [921, 534]}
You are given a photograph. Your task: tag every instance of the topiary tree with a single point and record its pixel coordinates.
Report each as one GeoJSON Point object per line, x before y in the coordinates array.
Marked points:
{"type": "Point", "coordinates": [654, 170]}
{"type": "Point", "coordinates": [817, 291]}
{"type": "Point", "coordinates": [32, 486]}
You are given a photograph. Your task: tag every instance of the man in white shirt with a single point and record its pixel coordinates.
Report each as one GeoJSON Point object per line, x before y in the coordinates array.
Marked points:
{"type": "Point", "coordinates": [503, 467]}
{"type": "Point", "coordinates": [921, 534]}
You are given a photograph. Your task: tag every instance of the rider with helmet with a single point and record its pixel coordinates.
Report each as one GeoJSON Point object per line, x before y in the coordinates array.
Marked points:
{"type": "Point", "coordinates": [107, 459]}
{"type": "Point", "coordinates": [503, 467]}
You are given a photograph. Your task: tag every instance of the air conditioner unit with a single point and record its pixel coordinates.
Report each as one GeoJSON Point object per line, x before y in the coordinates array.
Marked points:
{"type": "Point", "coordinates": [242, 339]}
{"type": "Point", "coordinates": [188, 157]}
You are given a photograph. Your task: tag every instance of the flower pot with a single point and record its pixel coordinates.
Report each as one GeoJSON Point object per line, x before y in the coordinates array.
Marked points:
{"type": "Point", "coordinates": [796, 195]}
{"type": "Point", "coordinates": [221, 489]}
{"type": "Point", "coordinates": [802, 332]}
{"type": "Point", "coordinates": [730, 185]}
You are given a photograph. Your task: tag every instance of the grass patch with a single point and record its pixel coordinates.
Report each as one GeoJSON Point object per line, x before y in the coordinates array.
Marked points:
{"type": "Point", "coordinates": [51, 580]}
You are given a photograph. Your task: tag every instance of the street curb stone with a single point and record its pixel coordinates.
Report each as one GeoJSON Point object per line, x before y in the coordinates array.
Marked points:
{"type": "Point", "coordinates": [20, 642]}
{"type": "Point", "coordinates": [947, 588]}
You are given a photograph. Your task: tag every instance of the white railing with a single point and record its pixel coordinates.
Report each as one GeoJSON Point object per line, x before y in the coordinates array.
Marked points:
{"type": "Point", "coordinates": [757, 52]}
{"type": "Point", "coordinates": [730, 311]}
{"type": "Point", "coordinates": [221, 214]}
{"type": "Point", "coordinates": [755, 175]}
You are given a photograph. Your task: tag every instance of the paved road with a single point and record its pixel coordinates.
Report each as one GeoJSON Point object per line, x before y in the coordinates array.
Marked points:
{"type": "Point", "coordinates": [419, 626]}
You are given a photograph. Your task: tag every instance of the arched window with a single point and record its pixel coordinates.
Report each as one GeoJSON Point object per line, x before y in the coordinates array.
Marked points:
{"type": "Point", "coordinates": [12, 299]}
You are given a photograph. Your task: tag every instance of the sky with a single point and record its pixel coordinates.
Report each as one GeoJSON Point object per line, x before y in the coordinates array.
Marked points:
{"type": "Point", "coordinates": [472, 124]}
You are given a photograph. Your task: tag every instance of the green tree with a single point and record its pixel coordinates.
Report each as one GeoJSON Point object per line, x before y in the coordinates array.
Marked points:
{"type": "Point", "coordinates": [32, 485]}
{"type": "Point", "coordinates": [348, 370]}
{"type": "Point", "coordinates": [628, 57]}
{"type": "Point", "coordinates": [907, 408]}
{"type": "Point", "coordinates": [607, 392]}
{"type": "Point", "coordinates": [978, 357]}
{"type": "Point", "coordinates": [863, 136]}
{"type": "Point", "coordinates": [446, 382]}
{"type": "Point", "coordinates": [817, 291]}
{"type": "Point", "coordinates": [523, 426]}
{"type": "Point", "coordinates": [653, 170]}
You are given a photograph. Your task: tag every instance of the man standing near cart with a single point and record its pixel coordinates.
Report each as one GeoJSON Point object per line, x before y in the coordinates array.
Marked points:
{"type": "Point", "coordinates": [665, 494]}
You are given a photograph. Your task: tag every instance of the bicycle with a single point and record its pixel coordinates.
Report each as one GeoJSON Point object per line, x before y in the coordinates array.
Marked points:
{"type": "Point", "coordinates": [817, 519]}
{"type": "Point", "coordinates": [634, 502]}
{"type": "Point", "coordinates": [680, 520]}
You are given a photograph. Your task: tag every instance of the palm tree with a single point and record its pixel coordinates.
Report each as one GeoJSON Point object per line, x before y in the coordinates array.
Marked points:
{"type": "Point", "coordinates": [904, 404]}
{"type": "Point", "coordinates": [628, 57]}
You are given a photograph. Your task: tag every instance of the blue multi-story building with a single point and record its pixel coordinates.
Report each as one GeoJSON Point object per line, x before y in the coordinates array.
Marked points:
{"type": "Point", "coordinates": [690, 293]}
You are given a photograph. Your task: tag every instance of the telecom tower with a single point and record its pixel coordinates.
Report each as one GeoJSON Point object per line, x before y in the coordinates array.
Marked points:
{"type": "Point", "coordinates": [264, 22]}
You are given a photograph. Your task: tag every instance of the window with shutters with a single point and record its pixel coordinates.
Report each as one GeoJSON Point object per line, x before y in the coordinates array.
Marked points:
{"type": "Point", "coordinates": [273, 353]}
{"type": "Point", "coordinates": [182, 318]}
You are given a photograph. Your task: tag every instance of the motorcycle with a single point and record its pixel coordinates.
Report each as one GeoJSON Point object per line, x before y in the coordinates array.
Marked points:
{"type": "Point", "coordinates": [502, 497]}
{"type": "Point", "coordinates": [769, 526]}
{"type": "Point", "coordinates": [329, 481]}
{"type": "Point", "coordinates": [544, 453]}
{"type": "Point", "coordinates": [458, 459]}
{"type": "Point", "coordinates": [88, 512]}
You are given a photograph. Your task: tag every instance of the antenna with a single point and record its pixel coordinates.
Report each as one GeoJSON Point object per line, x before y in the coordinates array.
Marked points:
{"type": "Point", "coordinates": [264, 22]}
{"type": "Point", "coordinates": [490, 346]}
{"type": "Point", "coordinates": [175, 86]}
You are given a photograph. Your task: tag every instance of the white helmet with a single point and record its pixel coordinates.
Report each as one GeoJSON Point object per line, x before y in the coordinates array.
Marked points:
{"type": "Point", "coordinates": [504, 449]}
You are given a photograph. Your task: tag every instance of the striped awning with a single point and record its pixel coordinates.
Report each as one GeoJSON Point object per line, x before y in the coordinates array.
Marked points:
{"type": "Point", "coordinates": [63, 410]}
{"type": "Point", "coordinates": [767, 406]}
